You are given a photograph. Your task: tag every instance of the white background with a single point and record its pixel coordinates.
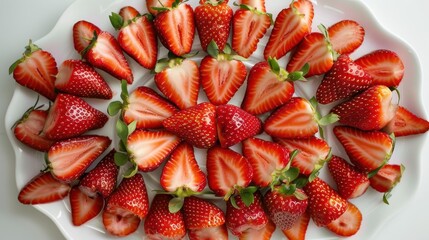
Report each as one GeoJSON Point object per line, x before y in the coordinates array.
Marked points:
{"type": "Point", "coordinates": [24, 19]}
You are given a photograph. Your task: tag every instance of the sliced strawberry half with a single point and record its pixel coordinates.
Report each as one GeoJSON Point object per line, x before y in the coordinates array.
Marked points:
{"type": "Point", "coordinates": [120, 222]}
{"type": "Point", "coordinates": [346, 36]}
{"type": "Point", "coordinates": [83, 32]}
{"type": "Point", "coordinates": [348, 223]}
{"type": "Point", "coordinates": [264, 233]}
{"type": "Point", "coordinates": [84, 207]}
{"type": "Point", "coordinates": [386, 179]}
{"type": "Point", "coordinates": [299, 229]}
{"type": "Point", "coordinates": [406, 123]}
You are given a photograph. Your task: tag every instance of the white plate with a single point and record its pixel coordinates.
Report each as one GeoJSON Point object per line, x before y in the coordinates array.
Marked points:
{"type": "Point", "coordinates": [375, 213]}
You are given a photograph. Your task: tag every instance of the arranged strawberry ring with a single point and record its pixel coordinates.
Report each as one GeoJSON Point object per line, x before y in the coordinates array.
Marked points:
{"type": "Point", "coordinates": [336, 137]}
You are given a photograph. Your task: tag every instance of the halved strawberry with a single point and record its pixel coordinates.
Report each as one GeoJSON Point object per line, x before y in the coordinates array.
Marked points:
{"type": "Point", "coordinates": [299, 229]}
{"type": "Point", "coordinates": [257, 4]}
{"type": "Point", "coordinates": [151, 5]}
{"type": "Point", "coordinates": [406, 123]}
{"type": "Point", "coordinates": [264, 233]}
{"type": "Point", "coordinates": [386, 179]}
{"type": "Point", "coordinates": [68, 159]}
{"type": "Point", "coordinates": [385, 67]}
{"type": "Point", "coordinates": [348, 223]}
{"type": "Point", "coordinates": [83, 32]}
{"type": "Point", "coordinates": [84, 207]}
{"type": "Point", "coordinates": [290, 27]}
{"type": "Point", "coordinates": [213, 233]}
{"type": "Point", "coordinates": [80, 79]}
{"type": "Point", "coordinates": [137, 36]}
{"type": "Point", "coordinates": [346, 36]}
{"type": "Point", "coordinates": [120, 222]}
{"type": "Point", "coordinates": [43, 188]}
{"type": "Point", "coordinates": [148, 149]}
{"type": "Point", "coordinates": [36, 70]}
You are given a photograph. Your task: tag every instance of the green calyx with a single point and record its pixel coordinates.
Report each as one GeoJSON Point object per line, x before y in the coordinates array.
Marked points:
{"type": "Point", "coordinates": [284, 75]}
{"type": "Point", "coordinates": [171, 61]}
{"type": "Point", "coordinates": [29, 49]}
{"type": "Point", "coordinates": [91, 44]}
{"type": "Point", "coordinates": [226, 55]}
{"type": "Point", "coordinates": [386, 158]}
{"type": "Point", "coordinates": [246, 194]}
{"type": "Point", "coordinates": [322, 121]}
{"type": "Point", "coordinates": [175, 4]}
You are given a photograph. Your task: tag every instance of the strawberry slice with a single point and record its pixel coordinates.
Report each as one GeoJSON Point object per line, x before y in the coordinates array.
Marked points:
{"type": "Point", "coordinates": [367, 150]}
{"type": "Point", "coordinates": [386, 179]}
{"type": "Point", "coordinates": [80, 79]}
{"type": "Point", "coordinates": [290, 27]}
{"type": "Point", "coordinates": [43, 188]}
{"type": "Point", "coordinates": [83, 32]}
{"type": "Point", "coordinates": [234, 125]}
{"type": "Point", "coordinates": [84, 207]}
{"type": "Point", "coordinates": [68, 159]}
{"type": "Point", "coordinates": [196, 125]}
{"type": "Point", "coordinates": [71, 116]}
{"type": "Point", "coordinates": [221, 75]}
{"type": "Point", "coordinates": [346, 36]}
{"type": "Point", "coordinates": [119, 222]}
{"type": "Point", "coordinates": [36, 70]}
{"type": "Point", "coordinates": [348, 223]}
{"type": "Point", "coordinates": [406, 123]}
{"type": "Point", "coordinates": [152, 5]}
{"type": "Point", "coordinates": [181, 173]}
{"type": "Point", "coordinates": [299, 229]}
{"type": "Point", "coordinates": [256, 4]}
{"type": "Point", "coordinates": [385, 67]}
{"type": "Point", "coordinates": [148, 149]}
{"type": "Point", "coordinates": [136, 36]}
{"type": "Point", "coordinates": [264, 233]}
{"type": "Point", "coordinates": [351, 182]}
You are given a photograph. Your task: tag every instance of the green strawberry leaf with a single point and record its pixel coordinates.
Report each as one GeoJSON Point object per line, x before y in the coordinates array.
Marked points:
{"type": "Point", "coordinates": [121, 158]}
{"type": "Point", "coordinates": [114, 108]}
{"type": "Point", "coordinates": [116, 20]}
{"type": "Point", "coordinates": [175, 204]}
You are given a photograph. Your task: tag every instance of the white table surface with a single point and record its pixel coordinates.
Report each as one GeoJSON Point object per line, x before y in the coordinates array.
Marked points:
{"type": "Point", "coordinates": [25, 19]}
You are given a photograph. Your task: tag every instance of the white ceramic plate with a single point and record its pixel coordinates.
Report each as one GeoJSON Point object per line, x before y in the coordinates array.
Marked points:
{"type": "Point", "coordinates": [375, 213]}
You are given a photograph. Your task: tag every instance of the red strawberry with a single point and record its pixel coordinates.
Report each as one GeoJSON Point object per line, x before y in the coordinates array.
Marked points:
{"type": "Point", "coordinates": [344, 80]}
{"type": "Point", "coordinates": [324, 204]}
{"type": "Point", "coordinates": [178, 79]}
{"type": "Point", "coordinates": [175, 27]}
{"type": "Point", "coordinates": [370, 110]}
{"type": "Point", "coordinates": [266, 159]}
{"type": "Point", "coordinates": [160, 223]}
{"type": "Point", "coordinates": [127, 205]}
{"type": "Point", "coordinates": [386, 179]}
{"type": "Point", "coordinates": [406, 123]}
{"type": "Point", "coordinates": [351, 182]}
{"type": "Point", "coordinates": [213, 21]}
{"type": "Point", "coordinates": [196, 125]}
{"type": "Point", "coordinates": [290, 27]}
{"type": "Point", "coordinates": [221, 75]}
{"type": "Point", "coordinates": [43, 188]}
{"type": "Point", "coordinates": [68, 159]}
{"type": "Point", "coordinates": [346, 36]}
{"type": "Point", "coordinates": [148, 149]}
{"type": "Point", "coordinates": [299, 229]}
{"type": "Point", "coordinates": [234, 125]}
{"type": "Point", "coordinates": [105, 53]}
{"type": "Point", "coordinates": [268, 87]}
{"type": "Point", "coordinates": [137, 36]}
{"type": "Point", "coordinates": [83, 32]}
{"type": "Point", "coordinates": [313, 153]}
{"type": "Point", "coordinates": [348, 223]}
{"type": "Point", "coordinates": [264, 233]}
{"type": "Point", "coordinates": [84, 207]}
{"type": "Point", "coordinates": [226, 171]}
{"type": "Point", "coordinates": [181, 173]}
{"type": "Point", "coordinates": [367, 150]}
{"type": "Point", "coordinates": [151, 4]}
{"type": "Point", "coordinates": [80, 79]}
{"type": "Point", "coordinates": [71, 116]}
{"type": "Point", "coordinates": [249, 25]}
{"type": "Point", "coordinates": [36, 70]}
{"type": "Point", "coordinates": [257, 4]}
{"type": "Point", "coordinates": [27, 129]}
{"type": "Point", "coordinates": [385, 67]}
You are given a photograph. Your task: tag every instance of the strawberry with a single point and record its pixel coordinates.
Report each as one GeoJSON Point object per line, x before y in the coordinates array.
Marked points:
{"type": "Point", "coordinates": [137, 36]}
{"type": "Point", "coordinates": [249, 25]}
{"type": "Point", "coordinates": [299, 229]}
{"type": "Point", "coordinates": [264, 233]}
{"type": "Point", "coordinates": [27, 129]}
{"type": "Point", "coordinates": [83, 207]}
{"type": "Point", "coordinates": [36, 70]}
{"type": "Point", "coordinates": [367, 150]}
{"type": "Point", "coordinates": [151, 4]}
{"type": "Point", "coordinates": [344, 80]}
{"type": "Point", "coordinates": [196, 125]}
{"type": "Point", "coordinates": [268, 87]}
{"type": "Point", "coordinates": [80, 79]}
{"type": "Point", "coordinates": [213, 22]}
{"type": "Point", "coordinates": [178, 79]}
{"type": "Point", "coordinates": [127, 205]}
{"type": "Point", "coordinates": [83, 32]}
{"type": "Point", "coordinates": [313, 153]}
{"type": "Point", "coordinates": [370, 110]}
{"type": "Point", "coordinates": [234, 125]}
{"type": "Point", "coordinates": [105, 53]}
{"type": "Point", "coordinates": [71, 116]}
{"type": "Point", "coordinates": [221, 74]}
{"type": "Point", "coordinates": [324, 203]}
{"type": "Point", "coordinates": [290, 27]}
{"type": "Point", "coordinates": [386, 179]}
{"type": "Point", "coordinates": [181, 173]}
{"type": "Point", "coordinates": [68, 159]}
{"type": "Point", "coordinates": [348, 223]}
{"type": "Point", "coordinates": [227, 171]}
{"type": "Point", "coordinates": [175, 27]}
{"type": "Point", "coordinates": [160, 223]}
{"type": "Point", "coordinates": [346, 36]}
{"type": "Point", "coordinates": [148, 149]}
{"type": "Point", "coordinates": [256, 4]}
{"type": "Point", "coordinates": [351, 182]}
{"type": "Point", "coordinates": [43, 188]}
{"type": "Point", "coordinates": [406, 123]}
{"type": "Point", "coordinates": [385, 67]}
